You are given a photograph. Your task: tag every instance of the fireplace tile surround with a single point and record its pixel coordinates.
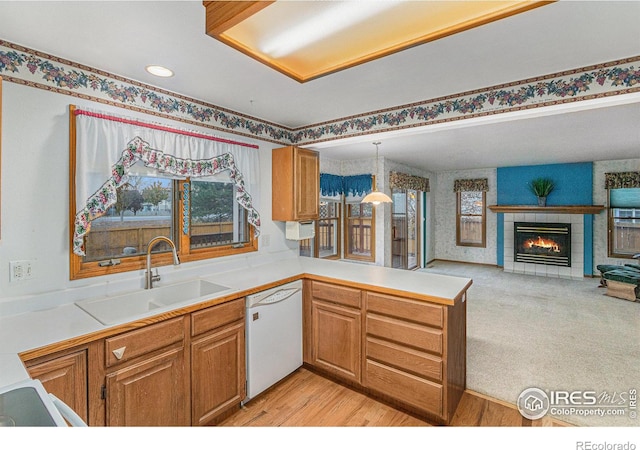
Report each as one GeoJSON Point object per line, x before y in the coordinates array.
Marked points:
{"type": "Point", "coordinates": [575, 272]}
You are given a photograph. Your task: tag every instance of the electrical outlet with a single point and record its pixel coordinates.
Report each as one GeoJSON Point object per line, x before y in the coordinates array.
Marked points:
{"type": "Point", "coordinates": [21, 270]}
{"type": "Point", "coordinates": [266, 240]}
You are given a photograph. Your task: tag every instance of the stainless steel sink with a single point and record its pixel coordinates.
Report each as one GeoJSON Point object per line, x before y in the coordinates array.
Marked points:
{"type": "Point", "coordinates": [117, 308]}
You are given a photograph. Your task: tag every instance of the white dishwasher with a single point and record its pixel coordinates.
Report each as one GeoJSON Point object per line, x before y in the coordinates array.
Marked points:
{"type": "Point", "coordinates": [274, 336]}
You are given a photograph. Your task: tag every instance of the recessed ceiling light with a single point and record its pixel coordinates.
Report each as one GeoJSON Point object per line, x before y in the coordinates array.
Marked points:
{"type": "Point", "coordinates": [159, 71]}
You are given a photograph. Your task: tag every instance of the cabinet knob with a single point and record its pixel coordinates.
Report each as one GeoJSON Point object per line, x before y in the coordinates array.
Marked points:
{"type": "Point", "coordinates": [119, 352]}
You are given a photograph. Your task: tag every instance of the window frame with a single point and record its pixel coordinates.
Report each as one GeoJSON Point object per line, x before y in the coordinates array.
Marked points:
{"type": "Point", "coordinates": [483, 217]}
{"type": "Point", "coordinates": [610, 229]}
{"type": "Point", "coordinates": [338, 220]}
{"type": "Point", "coordinates": [79, 269]}
{"type": "Point", "coordinates": [347, 234]}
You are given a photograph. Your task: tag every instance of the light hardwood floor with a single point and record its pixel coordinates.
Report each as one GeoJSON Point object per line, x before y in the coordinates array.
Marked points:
{"type": "Point", "coordinates": [307, 399]}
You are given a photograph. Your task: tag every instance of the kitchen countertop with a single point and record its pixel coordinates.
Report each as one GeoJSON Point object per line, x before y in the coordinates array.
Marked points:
{"type": "Point", "coordinates": [34, 329]}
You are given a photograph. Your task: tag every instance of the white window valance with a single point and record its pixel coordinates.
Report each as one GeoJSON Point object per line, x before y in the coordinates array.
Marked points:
{"type": "Point", "coordinates": [107, 146]}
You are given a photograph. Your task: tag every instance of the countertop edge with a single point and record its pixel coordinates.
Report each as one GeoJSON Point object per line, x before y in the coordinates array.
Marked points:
{"type": "Point", "coordinates": [104, 331]}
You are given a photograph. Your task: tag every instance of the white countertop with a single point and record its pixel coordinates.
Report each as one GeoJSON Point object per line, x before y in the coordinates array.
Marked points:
{"type": "Point", "coordinates": [63, 321]}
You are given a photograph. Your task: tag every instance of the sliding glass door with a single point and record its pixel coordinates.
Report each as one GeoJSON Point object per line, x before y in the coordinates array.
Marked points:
{"type": "Point", "coordinates": [405, 229]}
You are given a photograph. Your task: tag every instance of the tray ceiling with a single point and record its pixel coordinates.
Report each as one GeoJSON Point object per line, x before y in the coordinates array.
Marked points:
{"type": "Point", "coordinates": [309, 39]}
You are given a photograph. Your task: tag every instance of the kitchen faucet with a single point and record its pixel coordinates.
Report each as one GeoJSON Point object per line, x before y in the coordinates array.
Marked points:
{"type": "Point", "coordinates": [149, 277]}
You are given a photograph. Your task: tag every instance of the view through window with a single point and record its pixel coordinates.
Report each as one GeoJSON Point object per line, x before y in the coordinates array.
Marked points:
{"type": "Point", "coordinates": [470, 223]}
{"type": "Point", "coordinates": [624, 222]}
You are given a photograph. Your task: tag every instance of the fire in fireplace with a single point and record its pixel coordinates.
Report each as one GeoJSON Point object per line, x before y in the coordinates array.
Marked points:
{"type": "Point", "coordinates": [542, 243]}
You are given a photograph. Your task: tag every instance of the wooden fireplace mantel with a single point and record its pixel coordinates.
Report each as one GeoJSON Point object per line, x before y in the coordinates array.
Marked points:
{"type": "Point", "coordinates": [564, 209]}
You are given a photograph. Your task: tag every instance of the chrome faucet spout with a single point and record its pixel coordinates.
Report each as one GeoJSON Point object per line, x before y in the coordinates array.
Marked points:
{"type": "Point", "coordinates": [149, 278]}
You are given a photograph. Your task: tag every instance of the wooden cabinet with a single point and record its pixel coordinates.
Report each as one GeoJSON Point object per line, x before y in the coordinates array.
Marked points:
{"type": "Point", "coordinates": [409, 352]}
{"type": "Point", "coordinates": [295, 184]}
{"type": "Point", "coordinates": [188, 370]}
{"type": "Point", "coordinates": [147, 381]}
{"type": "Point", "coordinates": [415, 352]}
{"type": "Point", "coordinates": [217, 361]}
{"type": "Point", "coordinates": [65, 376]}
{"type": "Point", "coordinates": [336, 330]}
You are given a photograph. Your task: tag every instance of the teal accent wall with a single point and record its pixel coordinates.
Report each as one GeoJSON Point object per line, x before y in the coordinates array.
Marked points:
{"type": "Point", "coordinates": [574, 186]}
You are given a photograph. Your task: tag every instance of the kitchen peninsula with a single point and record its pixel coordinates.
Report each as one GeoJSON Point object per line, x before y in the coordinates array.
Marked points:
{"type": "Point", "coordinates": [406, 336]}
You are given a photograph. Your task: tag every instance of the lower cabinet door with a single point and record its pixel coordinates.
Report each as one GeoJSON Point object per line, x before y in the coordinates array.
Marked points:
{"type": "Point", "coordinates": [217, 373]}
{"type": "Point", "coordinates": [66, 378]}
{"type": "Point", "coordinates": [152, 392]}
{"type": "Point", "coordinates": [337, 340]}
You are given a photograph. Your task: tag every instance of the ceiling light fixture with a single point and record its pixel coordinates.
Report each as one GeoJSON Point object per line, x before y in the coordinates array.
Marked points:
{"type": "Point", "coordinates": [159, 71]}
{"type": "Point", "coordinates": [339, 16]}
{"type": "Point", "coordinates": [376, 197]}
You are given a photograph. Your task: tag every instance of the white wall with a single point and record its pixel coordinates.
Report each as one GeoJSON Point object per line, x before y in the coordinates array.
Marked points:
{"type": "Point", "coordinates": [35, 193]}
{"type": "Point", "coordinates": [445, 218]}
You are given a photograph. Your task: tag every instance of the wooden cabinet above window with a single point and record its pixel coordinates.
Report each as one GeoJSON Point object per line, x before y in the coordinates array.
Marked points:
{"type": "Point", "coordinates": [295, 184]}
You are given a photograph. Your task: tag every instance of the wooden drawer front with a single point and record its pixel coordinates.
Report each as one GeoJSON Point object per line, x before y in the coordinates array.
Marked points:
{"type": "Point", "coordinates": [402, 386]}
{"type": "Point", "coordinates": [217, 316]}
{"type": "Point", "coordinates": [144, 340]}
{"type": "Point", "coordinates": [405, 333]}
{"type": "Point", "coordinates": [336, 294]}
{"type": "Point", "coordinates": [407, 359]}
{"type": "Point", "coordinates": [413, 310]}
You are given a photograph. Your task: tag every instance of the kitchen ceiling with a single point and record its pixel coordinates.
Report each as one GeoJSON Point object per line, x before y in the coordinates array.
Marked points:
{"type": "Point", "coordinates": [309, 39]}
{"type": "Point", "coordinates": [123, 37]}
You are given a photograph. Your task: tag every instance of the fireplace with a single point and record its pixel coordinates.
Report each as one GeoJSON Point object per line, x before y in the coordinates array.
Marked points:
{"type": "Point", "coordinates": [542, 243]}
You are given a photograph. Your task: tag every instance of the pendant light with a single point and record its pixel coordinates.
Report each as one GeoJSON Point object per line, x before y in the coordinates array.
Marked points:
{"type": "Point", "coordinates": [376, 197]}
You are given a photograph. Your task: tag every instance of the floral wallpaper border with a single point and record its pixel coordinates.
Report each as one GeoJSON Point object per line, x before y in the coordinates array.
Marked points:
{"type": "Point", "coordinates": [36, 69]}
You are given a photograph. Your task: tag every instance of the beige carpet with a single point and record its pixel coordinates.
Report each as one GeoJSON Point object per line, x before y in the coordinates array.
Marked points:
{"type": "Point", "coordinates": [554, 334]}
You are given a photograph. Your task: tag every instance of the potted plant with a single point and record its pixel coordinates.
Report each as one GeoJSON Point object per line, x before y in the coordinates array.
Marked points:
{"type": "Point", "coordinates": [541, 188]}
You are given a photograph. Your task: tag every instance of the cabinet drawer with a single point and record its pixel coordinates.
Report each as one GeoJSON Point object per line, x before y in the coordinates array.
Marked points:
{"type": "Point", "coordinates": [404, 358]}
{"type": "Point", "coordinates": [144, 340]}
{"type": "Point", "coordinates": [402, 386]}
{"type": "Point", "coordinates": [217, 316]}
{"type": "Point", "coordinates": [336, 294]}
{"type": "Point", "coordinates": [403, 308]}
{"type": "Point", "coordinates": [405, 333]}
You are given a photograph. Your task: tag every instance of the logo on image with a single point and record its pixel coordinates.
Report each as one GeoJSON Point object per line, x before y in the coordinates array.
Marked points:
{"type": "Point", "coordinates": [533, 403]}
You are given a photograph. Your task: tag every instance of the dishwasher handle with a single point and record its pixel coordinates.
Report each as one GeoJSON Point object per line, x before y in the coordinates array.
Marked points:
{"type": "Point", "coordinates": [276, 297]}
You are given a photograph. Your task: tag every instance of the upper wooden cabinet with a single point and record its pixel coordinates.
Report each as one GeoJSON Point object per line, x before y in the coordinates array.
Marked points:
{"type": "Point", "coordinates": [295, 184]}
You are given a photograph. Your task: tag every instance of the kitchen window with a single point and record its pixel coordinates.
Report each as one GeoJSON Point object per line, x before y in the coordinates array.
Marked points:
{"type": "Point", "coordinates": [201, 204]}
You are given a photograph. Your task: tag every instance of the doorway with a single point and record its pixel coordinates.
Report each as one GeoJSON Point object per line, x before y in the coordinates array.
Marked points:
{"type": "Point", "coordinates": [405, 229]}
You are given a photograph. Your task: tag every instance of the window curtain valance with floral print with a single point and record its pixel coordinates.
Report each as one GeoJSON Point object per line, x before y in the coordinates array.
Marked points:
{"type": "Point", "coordinates": [622, 180]}
{"type": "Point", "coordinates": [107, 147]}
{"type": "Point", "coordinates": [399, 180]}
{"type": "Point", "coordinates": [476, 184]}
